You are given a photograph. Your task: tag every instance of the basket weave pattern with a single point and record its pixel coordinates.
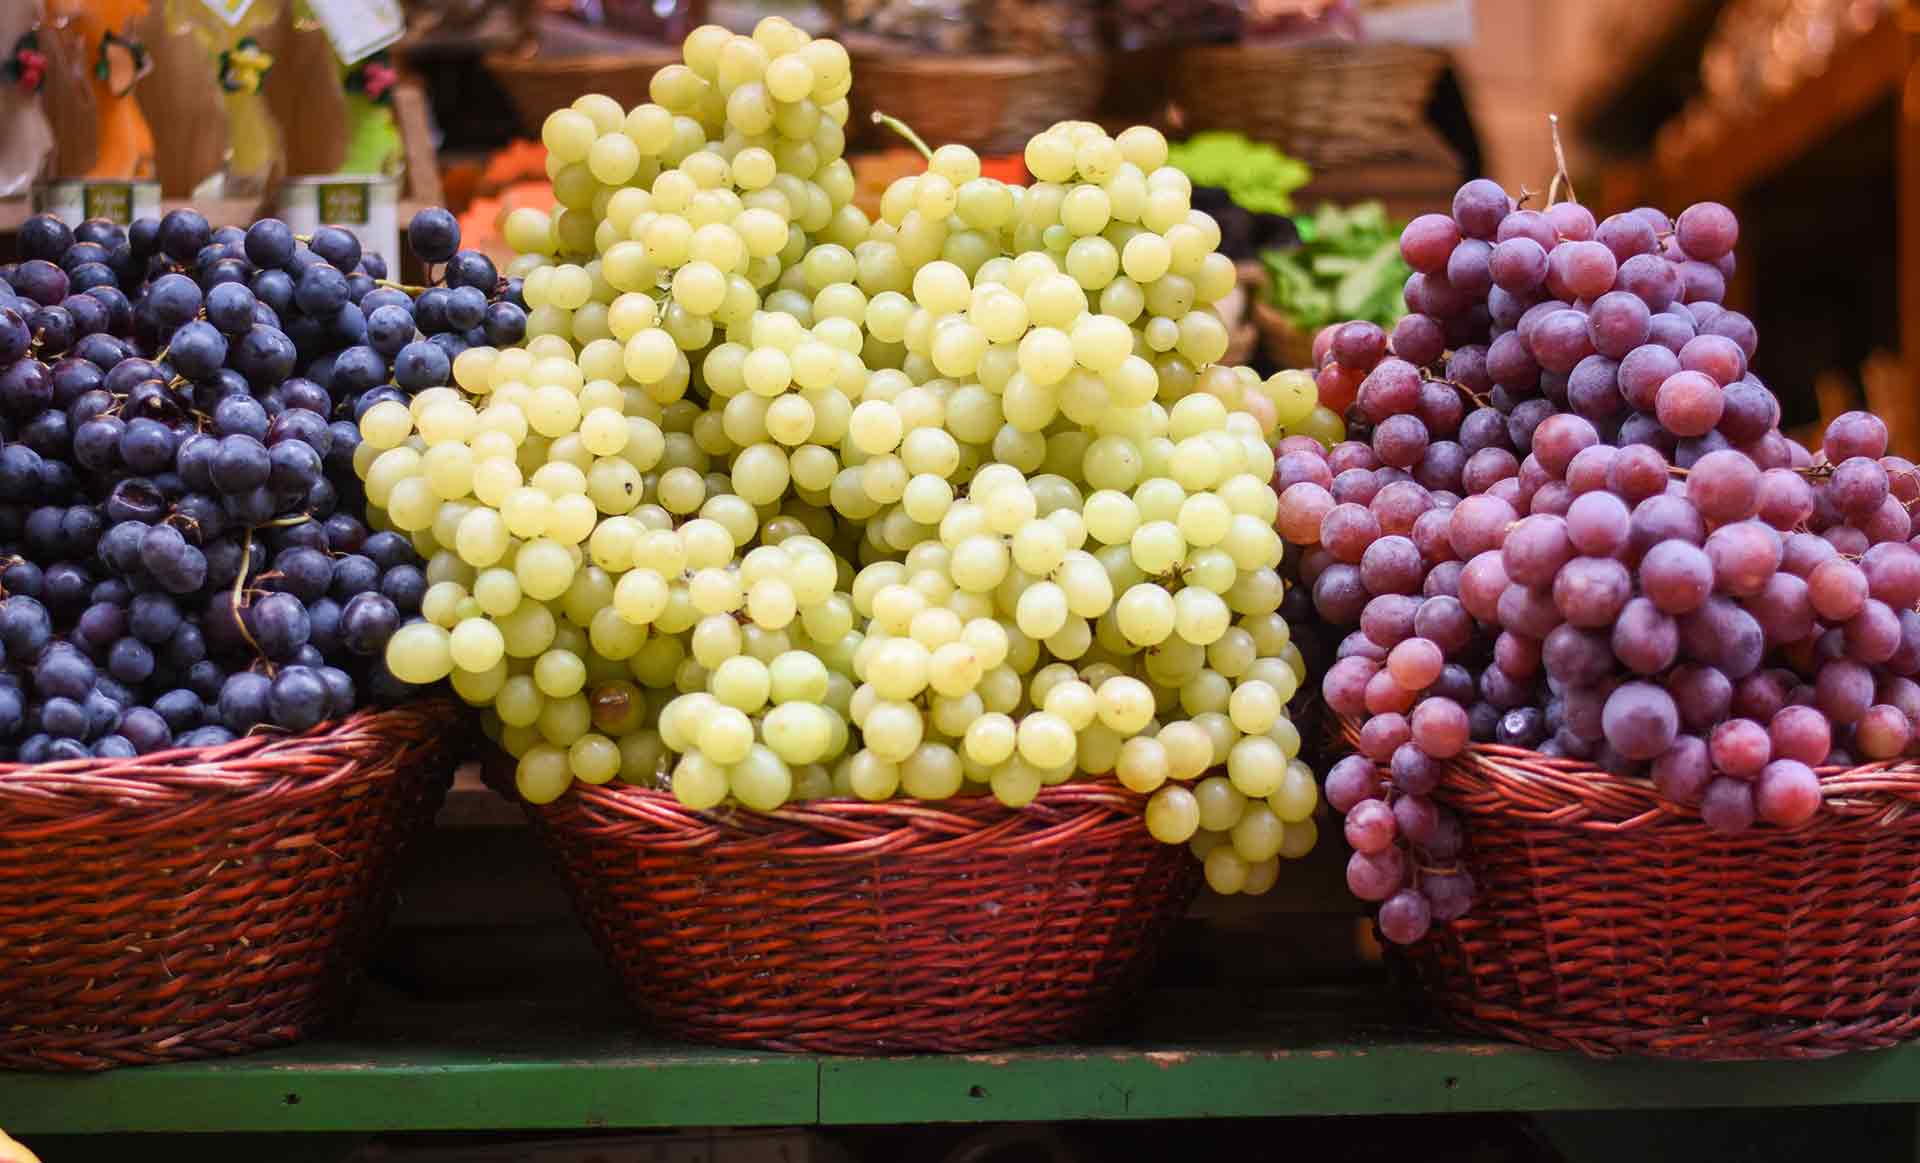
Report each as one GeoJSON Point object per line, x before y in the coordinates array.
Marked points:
{"type": "Point", "coordinates": [203, 902]}
{"type": "Point", "coordinates": [537, 84]}
{"type": "Point", "coordinates": [844, 926]}
{"type": "Point", "coordinates": [992, 103]}
{"type": "Point", "coordinates": [1612, 921]}
{"type": "Point", "coordinates": [1325, 102]}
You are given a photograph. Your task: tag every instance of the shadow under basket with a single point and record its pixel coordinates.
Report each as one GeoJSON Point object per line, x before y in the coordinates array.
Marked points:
{"type": "Point", "coordinates": [201, 902]}
{"type": "Point", "coordinates": [850, 927]}
{"type": "Point", "coordinates": [1609, 920]}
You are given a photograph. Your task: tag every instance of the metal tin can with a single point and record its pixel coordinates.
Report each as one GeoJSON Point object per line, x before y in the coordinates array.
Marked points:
{"type": "Point", "coordinates": [118, 202]}
{"type": "Point", "coordinates": [362, 203]}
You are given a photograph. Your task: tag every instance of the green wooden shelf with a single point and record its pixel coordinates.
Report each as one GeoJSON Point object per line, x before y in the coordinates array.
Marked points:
{"type": "Point", "coordinates": [578, 1064]}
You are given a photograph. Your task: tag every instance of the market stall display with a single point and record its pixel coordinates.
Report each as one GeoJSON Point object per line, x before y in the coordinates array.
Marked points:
{"type": "Point", "coordinates": [870, 573]}
{"type": "Point", "coordinates": [919, 523]}
{"type": "Point", "coordinates": [1625, 659]}
{"type": "Point", "coordinates": [194, 621]}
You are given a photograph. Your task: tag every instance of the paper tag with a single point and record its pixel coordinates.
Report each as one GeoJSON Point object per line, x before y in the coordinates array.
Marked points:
{"type": "Point", "coordinates": [358, 28]}
{"type": "Point", "coordinates": [230, 11]}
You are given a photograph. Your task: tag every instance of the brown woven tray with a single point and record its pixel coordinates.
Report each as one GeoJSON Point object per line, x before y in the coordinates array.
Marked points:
{"type": "Point", "coordinates": [539, 83]}
{"type": "Point", "coordinates": [1328, 103]}
{"type": "Point", "coordinates": [992, 103]}
{"type": "Point", "coordinates": [846, 927]}
{"type": "Point", "coordinates": [202, 902]}
{"type": "Point", "coordinates": [1609, 920]}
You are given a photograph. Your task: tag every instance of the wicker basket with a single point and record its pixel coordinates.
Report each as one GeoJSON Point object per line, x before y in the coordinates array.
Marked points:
{"type": "Point", "coordinates": [1284, 345]}
{"type": "Point", "coordinates": [193, 903]}
{"type": "Point", "coordinates": [1326, 102]}
{"type": "Point", "coordinates": [1609, 920]}
{"type": "Point", "coordinates": [844, 926]}
{"type": "Point", "coordinates": [538, 84]}
{"type": "Point", "coordinates": [992, 103]}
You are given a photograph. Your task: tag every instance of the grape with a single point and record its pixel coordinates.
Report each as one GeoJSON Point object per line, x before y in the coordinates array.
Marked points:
{"type": "Point", "coordinates": [1370, 827]}
{"type": "Point", "coordinates": [1744, 555]}
{"type": "Point", "coordinates": [1852, 434]}
{"type": "Point", "coordinates": [1843, 690]}
{"type": "Point", "coordinates": [1645, 639]}
{"type": "Point", "coordinates": [1391, 564]}
{"type": "Point", "coordinates": [1640, 720]}
{"type": "Point", "coordinates": [1837, 589]}
{"type": "Point", "coordinates": [1706, 230]}
{"type": "Point", "coordinates": [1428, 240]}
{"type": "Point", "coordinates": [1783, 608]}
{"type": "Point", "coordinates": [1518, 265]}
{"type": "Point", "coordinates": [1405, 917]}
{"type": "Point", "coordinates": [1788, 793]}
{"type": "Point", "coordinates": [1478, 207]}
{"type": "Point", "coordinates": [1727, 806]}
{"type": "Point", "coordinates": [1440, 727]}
{"type": "Point", "coordinates": [1535, 549]}
{"type": "Point", "coordinates": [1800, 733]}
{"type": "Point", "coordinates": [1858, 486]}
{"type": "Point", "coordinates": [1882, 732]}
{"type": "Point", "coordinates": [1350, 781]}
{"type": "Point", "coordinates": [1591, 591]}
{"type": "Point", "coordinates": [1560, 340]}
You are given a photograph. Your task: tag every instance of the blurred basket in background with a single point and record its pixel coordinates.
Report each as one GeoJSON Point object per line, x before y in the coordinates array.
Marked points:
{"type": "Point", "coordinates": [564, 60]}
{"type": "Point", "coordinates": [539, 84]}
{"type": "Point", "coordinates": [992, 103]}
{"type": "Point", "coordinates": [1327, 102]}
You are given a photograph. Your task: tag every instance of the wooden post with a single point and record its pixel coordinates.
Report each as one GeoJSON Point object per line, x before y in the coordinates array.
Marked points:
{"type": "Point", "coordinates": [1906, 438]}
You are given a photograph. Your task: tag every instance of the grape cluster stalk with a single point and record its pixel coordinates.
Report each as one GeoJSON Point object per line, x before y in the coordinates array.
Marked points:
{"type": "Point", "coordinates": [1566, 521]}
{"type": "Point", "coordinates": [778, 502]}
{"type": "Point", "coordinates": [184, 556]}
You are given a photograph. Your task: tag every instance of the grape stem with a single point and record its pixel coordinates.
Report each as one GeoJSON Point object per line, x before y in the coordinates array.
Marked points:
{"type": "Point", "coordinates": [240, 580]}
{"type": "Point", "coordinates": [904, 130]}
{"type": "Point", "coordinates": [391, 285]}
{"type": "Point", "coordinates": [1560, 160]}
{"type": "Point", "coordinates": [1469, 393]}
{"type": "Point", "coordinates": [239, 588]}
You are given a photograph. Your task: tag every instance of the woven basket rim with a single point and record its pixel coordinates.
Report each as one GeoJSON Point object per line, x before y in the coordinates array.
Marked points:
{"type": "Point", "coordinates": [845, 828]}
{"type": "Point", "coordinates": [312, 760]}
{"type": "Point", "coordinates": [1574, 793]}
{"type": "Point", "coordinates": [541, 64]}
{"type": "Point", "coordinates": [982, 65]}
{"type": "Point", "coordinates": [1328, 48]}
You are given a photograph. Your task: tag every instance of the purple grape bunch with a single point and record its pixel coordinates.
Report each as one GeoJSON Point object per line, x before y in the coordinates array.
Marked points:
{"type": "Point", "coordinates": [182, 551]}
{"type": "Point", "coordinates": [1565, 520]}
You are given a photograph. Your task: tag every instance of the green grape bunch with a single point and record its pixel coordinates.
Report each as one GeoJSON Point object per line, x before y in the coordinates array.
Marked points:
{"type": "Point", "coordinates": [781, 503]}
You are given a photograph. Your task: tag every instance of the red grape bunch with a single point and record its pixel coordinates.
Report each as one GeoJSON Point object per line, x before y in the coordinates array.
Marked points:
{"type": "Point", "coordinates": [1566, 521]}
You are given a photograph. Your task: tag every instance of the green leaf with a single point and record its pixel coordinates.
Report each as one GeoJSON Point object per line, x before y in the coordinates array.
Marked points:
{"type": "Point", "coordinates": [1365, 281]}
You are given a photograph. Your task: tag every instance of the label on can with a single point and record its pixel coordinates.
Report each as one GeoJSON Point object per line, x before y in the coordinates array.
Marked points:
{"type": "Point", "coordinates": [117, 202]}
{"type": "Point", "coordinates": [362, 203]}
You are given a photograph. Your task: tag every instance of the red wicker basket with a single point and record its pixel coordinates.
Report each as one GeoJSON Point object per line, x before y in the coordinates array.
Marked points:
{"type": "Point", "coordinates": [202, 902]}
{"type": "Point", "coordinates": [1609, 920]}
{"type": "Point", "coordinates": [846, 927]}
